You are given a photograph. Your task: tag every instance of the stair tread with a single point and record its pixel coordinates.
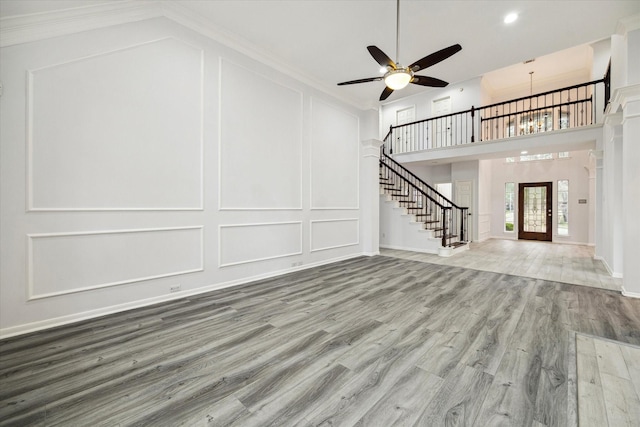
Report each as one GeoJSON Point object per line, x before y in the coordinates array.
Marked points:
{"type": "Point", "coordinates": [457, 244]}
{"type": "Point", "coordinates": [398, 188]}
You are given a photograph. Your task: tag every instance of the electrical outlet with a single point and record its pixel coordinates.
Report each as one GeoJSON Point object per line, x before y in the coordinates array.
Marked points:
{"type": "Point", "coordinates": [175, 288]}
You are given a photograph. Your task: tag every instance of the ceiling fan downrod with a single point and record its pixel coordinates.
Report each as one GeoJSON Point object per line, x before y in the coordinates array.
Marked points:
{"type": "Point", "coordinates": [397, 31]}
{"type": "Point", "coordinates": [397, 76]}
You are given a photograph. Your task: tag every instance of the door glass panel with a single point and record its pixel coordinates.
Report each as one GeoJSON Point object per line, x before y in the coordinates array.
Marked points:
{"type": "Point", "coordinates": [535, 209]}
{"type": "Point", "coordinates": [563, 207]}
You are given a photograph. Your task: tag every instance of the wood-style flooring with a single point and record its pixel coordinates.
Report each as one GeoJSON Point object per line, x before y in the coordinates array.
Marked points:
{"type": "Point", "coordinates": [608, 382]}
{"type": "Point", "coordinates": [539, 260]}
{"type": "Point", "coordinates": [371, 341]}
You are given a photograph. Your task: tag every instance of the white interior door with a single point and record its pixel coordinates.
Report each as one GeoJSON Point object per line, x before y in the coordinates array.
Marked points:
{"type": "Point", "coordinates": [464, 198]}
{"type": "Point", "coordinates": [404, 136]}
{"type": "Point", "coordinates": [441, 127]}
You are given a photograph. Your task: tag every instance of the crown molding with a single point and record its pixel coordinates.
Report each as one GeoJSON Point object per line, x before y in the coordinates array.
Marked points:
{"type": "Point", "coordinates": [622, 97]}
{"type": "Point", "coordinates": [28, 28]}
{"type": "Point", "coordinates": [628, 24]}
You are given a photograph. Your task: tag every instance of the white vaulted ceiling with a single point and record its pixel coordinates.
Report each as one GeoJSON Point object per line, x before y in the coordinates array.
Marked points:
{"type": "Point", "coordinates": [325, 40]}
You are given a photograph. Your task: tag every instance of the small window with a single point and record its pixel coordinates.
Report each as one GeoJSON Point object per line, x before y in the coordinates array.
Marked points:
{"type": "Point", "coordinates": [509, 211]}
{"type": "Point", "coordinates": [563, 155]}
{"type": "Point", "coordinates": [531, 157]}
{"type": "Point", "coordinates": [510, 160]}
{"type": "Point", "coordinates": [563, 207]}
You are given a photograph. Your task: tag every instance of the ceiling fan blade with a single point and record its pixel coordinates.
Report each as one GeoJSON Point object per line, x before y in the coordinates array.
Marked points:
{"type": "Point", "coordinates": [428, 81]}
{"type": "Point", "coordinates": [385, 93]}
{"type": "Point", "coordinates": [381, 57]}
{"type": "Point", "coordinates": [435, 57]}
{"type": "Point", "coordinates": [352, 82]}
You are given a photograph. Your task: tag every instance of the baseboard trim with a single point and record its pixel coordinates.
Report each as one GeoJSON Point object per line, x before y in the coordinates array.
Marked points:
{"type": "Point", "coordinates": [606, 265]}
{"type": "Point", "coordinates": [503, 238]}
{"type": "Point", "coordinates": [604, 262]}
{"type": "Point", "coordinates": [92, 314]}
{"type": "Point", "coordinates": [630, 294]}
{"type": "Point", "coordinates": [401, 248]}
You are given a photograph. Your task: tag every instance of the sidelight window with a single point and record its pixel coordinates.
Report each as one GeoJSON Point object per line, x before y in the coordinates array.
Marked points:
{"type": "Point", "coordinates": [509, 211]}
{"type": "Point", "coordinates": [563, 207]}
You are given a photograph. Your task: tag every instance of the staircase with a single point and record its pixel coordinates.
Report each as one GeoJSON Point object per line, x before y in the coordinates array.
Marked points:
{"type": "Point", "coordinates": [419, 217]}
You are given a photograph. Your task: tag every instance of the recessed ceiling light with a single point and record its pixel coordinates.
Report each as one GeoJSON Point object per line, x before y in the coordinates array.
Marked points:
{"type": "Point", "coordinates": [383, 70]}
{"type": "Point", "coordinates": [524, 152]}
{"type": "Point", "coordinates": [510, 18]}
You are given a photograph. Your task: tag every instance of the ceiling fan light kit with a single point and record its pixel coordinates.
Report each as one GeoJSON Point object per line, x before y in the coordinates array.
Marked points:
{"type": "Point", "coordinates": [398, 77]}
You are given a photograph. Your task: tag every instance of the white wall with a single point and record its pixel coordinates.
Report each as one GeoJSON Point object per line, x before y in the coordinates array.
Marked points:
{"type": "Point", "coordinates": [435, 174]}
{"type": "Point", "coordinates": [144, 156]}
{"type": "Point", "coordinates": [600, 58]}
{"type": "Point", "coordinates": [633, 59]}
{"type": "Point", "coordinates": [576, 169]}
{"type": "Point", "coordinates": [463, 95]}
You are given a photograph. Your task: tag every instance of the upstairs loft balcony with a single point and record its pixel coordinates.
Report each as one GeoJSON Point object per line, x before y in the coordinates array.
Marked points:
{"type": "Point", "coordinates": [573, 107]}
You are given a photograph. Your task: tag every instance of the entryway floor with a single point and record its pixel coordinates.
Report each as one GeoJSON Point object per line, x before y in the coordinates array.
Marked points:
{"type": "Point", "coordinates": [573, 264]}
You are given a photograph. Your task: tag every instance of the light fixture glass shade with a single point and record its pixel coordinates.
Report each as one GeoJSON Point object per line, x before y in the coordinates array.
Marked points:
{"type": "Point", "coordinates": [512, 17]}
{"type": "Point", "coordinates": [397, 79]}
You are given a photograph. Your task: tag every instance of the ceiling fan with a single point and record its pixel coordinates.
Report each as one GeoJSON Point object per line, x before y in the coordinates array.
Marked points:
{"type": "Point", "coordinates": [396, 76]}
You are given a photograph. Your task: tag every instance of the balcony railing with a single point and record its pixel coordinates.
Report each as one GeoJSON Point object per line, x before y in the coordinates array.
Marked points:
{"type": "Point", "coordinates": [437, 132]}
{"type": "Point", "coordinates": [566, 108]}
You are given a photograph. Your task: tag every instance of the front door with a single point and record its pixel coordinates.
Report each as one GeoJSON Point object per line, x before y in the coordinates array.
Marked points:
{"type": "Point", "coordinates": [535, 211]}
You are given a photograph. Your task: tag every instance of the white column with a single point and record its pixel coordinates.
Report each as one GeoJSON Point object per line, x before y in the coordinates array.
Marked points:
{"type": "Point", "coordinates": [617, 201]}
{"type": "Point", "coordinates": [594, 205]}
{"type": "Point", "coordinates": [609, 228]}
{"type": "Point", "coordinates": [370, 196]}
{"type": "Point", "coordinates": [630, 97]}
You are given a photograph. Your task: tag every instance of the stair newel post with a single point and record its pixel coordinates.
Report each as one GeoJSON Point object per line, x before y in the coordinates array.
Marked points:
{"type": "Point", "coordinates": [473, 123]}
{"type": "Point", "coordinates": [444, 227]}
{"type": "Point", "coordinates": [463, 220]}
{"type": "Point", "coordinates": [390, 139]}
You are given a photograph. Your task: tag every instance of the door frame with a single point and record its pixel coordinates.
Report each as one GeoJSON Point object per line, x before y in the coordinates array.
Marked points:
{"type": "Point", "coordinates": [529, 235]}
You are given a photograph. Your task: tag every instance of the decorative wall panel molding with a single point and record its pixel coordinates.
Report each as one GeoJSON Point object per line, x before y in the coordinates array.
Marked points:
{"type": "Point", "coordinates": [244, 243]}
{"type": "Point", "coordinates": [29, 28]}
{"type": "Point", "coordinates": [260, 141]}
{"type": "Point", "coordinates": [484, 226]}
{"type": "Point", "coordinates": [64, 263]}
{"type": "Point", "coordinates": [334, 233]}
{"type": "Point", "coordinates": [335, 145]}
{"type": "Point", "coordinates": [119, 130]}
